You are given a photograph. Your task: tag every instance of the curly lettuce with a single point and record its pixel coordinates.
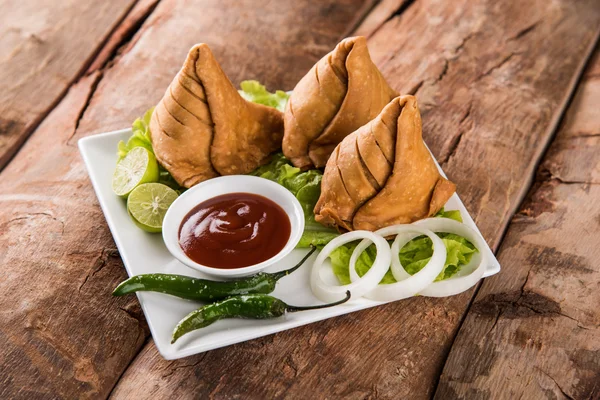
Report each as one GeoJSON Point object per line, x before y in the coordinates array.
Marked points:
{"type": "Point", "coordinates": [306, 186]}
{"type": "Point", "coordinates": [417, 253]}
{"type": "Point", "coordinates": [413, 256]}
{"type": "Point", "coordinates": [140, 136]}
{"type": "Point", "coordinates": [452, 214]}
{"type": "Point", "coordinates": [255, 92]}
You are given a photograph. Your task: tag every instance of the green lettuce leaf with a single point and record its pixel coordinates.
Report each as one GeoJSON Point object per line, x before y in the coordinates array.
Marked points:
{"type": "Point", "coordinates": [140, 136]}
{"type": "Point", "coordinates": [340, 261]}
{"type": "Point", "coordinates": [452, 214]}
{"type": "Point", "coordinates": [315, 238]}
{"type": "Point", "coordinates": [255, 92]}
{"type": "Point", "coordinates": [306, 186]}
{"type": "Point", "coordinates": [413, 256]}
{"type": "Point", "coordinates": [417, 253]}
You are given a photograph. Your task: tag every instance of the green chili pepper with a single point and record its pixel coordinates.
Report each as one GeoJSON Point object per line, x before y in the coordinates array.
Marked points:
{"type": "Point", "coordinates": [191, 288]}
{"type": "Point", "coordinates": [251, 306]}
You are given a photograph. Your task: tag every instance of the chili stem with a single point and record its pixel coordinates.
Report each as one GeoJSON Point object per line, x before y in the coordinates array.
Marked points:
{"type": "Point", "coordinates": [281, 274]}
{"type": "Point", "coordinates": [296, 308]}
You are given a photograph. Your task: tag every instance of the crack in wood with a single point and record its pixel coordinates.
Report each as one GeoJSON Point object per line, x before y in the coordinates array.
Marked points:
{"type": "Point", "coordinates": [498, 65]}
{"type": "Point", "coordinates": [175, 369]}
{"type": "Point", "coordinates": [456, 142]}
{"type": "Point", "coordinates": [405, 5]}
{"type": "Point", "coordinates": [367, 8]}
{"type": "Point", "coordinates": [108, 60]}
{"type": "Point", "coordinates": [572, 182]}
{"type": "Point", "coordinates": [94, 85]}
{"type": "Point", "coordinates": [464, 41]}
{"type": "Point", "coordinates": [545, 175]}
{"type": "Point", "coordinates": [442, 73]}
{"type": "Point", "coordinates": [467, 113]}
{"type": "Point", "coordinates": [130, 315]}
{"type": "Point", "coordinates": [498, 315]}
{"type": "Point", "coordinates": [413, 90]}
{"type": "Point", "coordinates": [121, 39]}
{"type": "Point", "coordinates": [531, 302]}
{"type": "Point", "coordinates": [524, 31]}
{"type": "Point", "coordinates": [6, 158]}
{"type": "Point", "coordinates": [565, 394]}
{"type": "Point", "coordinates": [99, 264]}
{"type": "Point", "coordinates": [453, 147]}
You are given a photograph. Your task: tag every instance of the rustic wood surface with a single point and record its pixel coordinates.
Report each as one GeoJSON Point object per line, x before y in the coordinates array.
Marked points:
{"type": "Point", "coordinates": [70, 338]}
{"type": "Point", "coordinates": [490, 101]}
{"type": "Point", "coordinates": [493, 80]}
{"type": "Point", "coordinates": [40, 58]}
{"type": "Point", "coordinates": [534, 330]}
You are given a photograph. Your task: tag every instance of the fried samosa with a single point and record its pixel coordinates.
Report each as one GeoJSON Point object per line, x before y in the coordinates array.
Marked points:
{"type": "Point", "coordinates": [382, 174]}
{"type": "Point", "coordinates": [203, 128]}
{"type": "Point", "coordinates": [342, 92]}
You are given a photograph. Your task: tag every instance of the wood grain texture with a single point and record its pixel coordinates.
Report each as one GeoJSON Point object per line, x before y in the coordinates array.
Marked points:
{"type": "Point", "coordinates": [492, 79]}
{"type": "Point", "coordinates": [62, 333]}
{"type": "Point", "coordinates": [534, 330]}
{"type": "Point", "coordinates": [379, 15]}
{"type": "Point", "coordinates": [43, 51]}
{"type": "Point", "coordinates": [276, 44]}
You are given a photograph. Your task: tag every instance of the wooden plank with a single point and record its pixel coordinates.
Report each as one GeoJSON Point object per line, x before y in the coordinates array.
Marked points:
{"type": "Point", "coordinates": [492, 79]}
{"type": "Point", "coordinates": [534, 330]}
{"type": "Point", "coordinates": [44, 50]}
{"type": "Point", "coordinates": [242, 39]}
{"type": "Point", "coordinates": [381, 13]}
{"type": "Point", "coordinates": [63, 335]}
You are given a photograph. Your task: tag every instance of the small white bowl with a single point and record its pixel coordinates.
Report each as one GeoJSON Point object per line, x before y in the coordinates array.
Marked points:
{"type": "Point", "coordinates": [231, 184]}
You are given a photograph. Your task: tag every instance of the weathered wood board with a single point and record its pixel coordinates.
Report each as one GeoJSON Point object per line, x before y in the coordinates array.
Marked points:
{"type": "Point", "coordinates": [534, 330]}
{"type": "Point", "coordinates": [492, 79]}
{"type": "Point", "coordinates": [276, 44]}
{"type": "Point", "coordinates": [43, 51]}
{"type": "Point", "coordinates": [63, 334]}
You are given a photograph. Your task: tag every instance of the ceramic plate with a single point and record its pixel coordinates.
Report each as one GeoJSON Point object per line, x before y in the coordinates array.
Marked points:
{"type": "Point", "coordinates": [144, 253]}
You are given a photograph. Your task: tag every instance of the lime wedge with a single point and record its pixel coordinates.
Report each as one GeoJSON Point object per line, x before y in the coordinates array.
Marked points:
{"type": "Point", "coordinates": [148, 203]}
{"type": "Point", "coordinates": [137, 167]}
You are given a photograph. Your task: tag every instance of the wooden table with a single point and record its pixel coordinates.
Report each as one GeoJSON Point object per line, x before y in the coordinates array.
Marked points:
{"type": "Point", "coordinates": [510, 110]}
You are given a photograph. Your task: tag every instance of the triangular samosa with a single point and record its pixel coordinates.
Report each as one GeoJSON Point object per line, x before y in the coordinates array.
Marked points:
{"type": "Point", "coordinates": [382, 174]}
{"type": "Point", "coordinates": [342, 92]}
{"type": "Point", "coordinates": [203, 128]}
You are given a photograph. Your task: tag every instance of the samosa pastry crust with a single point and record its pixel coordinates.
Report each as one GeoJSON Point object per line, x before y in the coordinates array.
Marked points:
{"type": "Point", "coordinates": [382, 174]}
{"type": "Point", "coordinates": [341, 92]}
{"type": "Point", "coordinates": [203, 128]}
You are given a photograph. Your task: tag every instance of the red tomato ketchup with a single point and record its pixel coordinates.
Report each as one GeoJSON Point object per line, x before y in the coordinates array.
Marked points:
{"type": "Point", "coordinates": [234, 230]}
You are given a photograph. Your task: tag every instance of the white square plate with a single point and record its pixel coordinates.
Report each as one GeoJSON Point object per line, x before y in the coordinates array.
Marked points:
{"type": "Point", "coordinates": [144, 253]}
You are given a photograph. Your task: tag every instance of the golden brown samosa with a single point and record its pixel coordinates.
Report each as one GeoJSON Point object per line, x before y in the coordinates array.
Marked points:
{"type": "Point", "coordinates": [342, 92]}
{"type": "Point", "coordinates": [382, 174]}
{"type": "Point", "coordinates": [203, 128]}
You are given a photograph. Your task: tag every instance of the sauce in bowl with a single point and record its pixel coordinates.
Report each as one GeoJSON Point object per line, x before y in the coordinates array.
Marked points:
{"type": "Point", "coordinates": [234, 230]}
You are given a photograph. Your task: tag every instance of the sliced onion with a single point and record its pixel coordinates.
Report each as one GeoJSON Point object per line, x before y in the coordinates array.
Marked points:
{"type": "Point", "coordinates": [468, 275]}
{"type": "Point", "coordinates": [407, 285]}
{"type": "Point", "coordinates": [329, 293]}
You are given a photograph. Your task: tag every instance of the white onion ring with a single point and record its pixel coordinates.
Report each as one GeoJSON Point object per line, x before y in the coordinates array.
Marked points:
{"type": "Point", "coordinates": [407, 285]}
{"type": "Point", "coordinates": [464, 280]}
{"type": "Point", "coordinates": [358, 288]}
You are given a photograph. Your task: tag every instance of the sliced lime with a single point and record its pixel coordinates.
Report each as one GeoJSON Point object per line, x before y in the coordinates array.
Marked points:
{"type": "Point", "coordinates": [137, 167]}
{"type": "Point", "coordinates": [148, 203]}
